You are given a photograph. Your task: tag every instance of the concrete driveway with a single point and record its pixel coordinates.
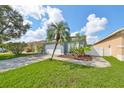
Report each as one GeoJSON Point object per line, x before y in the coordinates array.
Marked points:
{"type": "Point", "coordinates": [6, 65]}
{"type": "Point", "coordinates": [13, 63]}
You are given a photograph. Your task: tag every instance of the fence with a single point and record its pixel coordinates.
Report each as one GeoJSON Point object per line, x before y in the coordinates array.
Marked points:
{"type": "Point", "coordinates": [99, 52]}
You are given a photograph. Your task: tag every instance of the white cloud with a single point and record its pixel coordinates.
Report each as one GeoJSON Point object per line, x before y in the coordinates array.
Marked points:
{"type": "Point", "coordinates": [54, 14]}
{"type": "Point", "coordinates": [35, 11]}
{"type": "Point", "coordinates": [27, 21]}
{"type": "Point", "coordinates": [74, 33]}
{"type": "Point", "coordinates": [38, 12]}
{"type": "Point", "coordinates": [94, 25]}
{"type": "Point", "coordinates": [38, 34]}
{"type": "Point", "coordinates": [44, 19]}
{"type": "Point", "coordinates": [92, 39]}
{"type": "Point", "coordinates": [30, 36]}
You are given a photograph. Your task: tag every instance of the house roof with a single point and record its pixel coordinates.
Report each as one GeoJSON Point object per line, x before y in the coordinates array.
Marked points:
{"type": "Point", "coordinates": [37, 42]}
{"type": "Point", "coordinates": [73, 38]}
{"type": "Point", "coordinates": [117, 31]}
{"type": "Point", "coordinates": [49, 42]}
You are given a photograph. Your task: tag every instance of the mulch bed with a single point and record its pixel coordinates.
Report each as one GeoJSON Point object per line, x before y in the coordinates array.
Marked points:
{"type": "Point", "coordinates": [79, 57]}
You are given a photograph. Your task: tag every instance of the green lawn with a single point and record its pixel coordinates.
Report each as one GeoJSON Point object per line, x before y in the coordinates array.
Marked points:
{"type": "Point", "coordinates": [61, 74]}
{"type": "Point", "coordinates": [9, 55]}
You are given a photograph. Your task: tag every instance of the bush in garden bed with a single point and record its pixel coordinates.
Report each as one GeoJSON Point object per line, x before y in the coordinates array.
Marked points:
{"type": "Point", "coordinates": [79, 51]}
{"type": "Point", "coordinates": [84, 58]}
{"type": "Point", "coordinates": [79, 54]}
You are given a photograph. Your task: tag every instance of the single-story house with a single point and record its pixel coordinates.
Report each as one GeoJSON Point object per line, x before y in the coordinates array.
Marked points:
{"type": "Point", "coordinates": [112, 45]}
{"type": "Point", "coordinates": [48, 47]}
{"type": "Point", "coordinates": [62, 48]}
{"type": "Point", "coordinates": [35, 46]}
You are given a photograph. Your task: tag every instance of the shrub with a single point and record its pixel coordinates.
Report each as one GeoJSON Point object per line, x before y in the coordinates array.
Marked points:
{"type": "Point", "coordinates": [79, 51]}
{"type": "Point", "coordinates": [2, 48]}
{"type": "Point", "coordinates": [15, 48]}
{"type": "Point", "coordinates": [86, 49]}
{"type": "Point", "coordinates": [40, 48]}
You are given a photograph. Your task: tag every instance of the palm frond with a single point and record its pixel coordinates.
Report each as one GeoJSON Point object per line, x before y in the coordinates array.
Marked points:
{"type": "Point", "coordinates": [60, 29]}
{"type": "Point", "coordinates": [50, 34]}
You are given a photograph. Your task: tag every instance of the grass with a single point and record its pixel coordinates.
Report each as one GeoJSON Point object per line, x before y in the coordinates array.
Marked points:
{"type": "Point", "coordinates": [9, 55]}
{"type": "Point", "coordinates": [62, 74]}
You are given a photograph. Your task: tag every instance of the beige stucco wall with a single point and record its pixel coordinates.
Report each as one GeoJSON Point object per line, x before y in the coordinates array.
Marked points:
{"type": "Point", "coordinates": [116, 45]}
{"type": "Point", "coordinates": [122, 47]}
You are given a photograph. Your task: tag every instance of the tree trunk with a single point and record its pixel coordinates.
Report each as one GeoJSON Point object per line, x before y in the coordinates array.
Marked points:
{"type": "Point", "coordinates": [85, 42]}
{"type": "Point", "coordinates": [54, 49]}
{"type": "Point", "coordinates": [79, 45]}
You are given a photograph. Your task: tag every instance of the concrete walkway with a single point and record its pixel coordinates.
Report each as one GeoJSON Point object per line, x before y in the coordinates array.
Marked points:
{"type": "Point", "coordinates": [96, 62]}
{"type": "Point", "coordinates": [8, 64]}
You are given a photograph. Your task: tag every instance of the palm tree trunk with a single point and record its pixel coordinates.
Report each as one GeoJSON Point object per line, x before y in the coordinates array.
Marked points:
{"type": "Point", "coordinates": [79, 45]}
{"type": "Point", "coordinates": [54, 49]}
{"type": "Point", "coordinates": [85, 42]}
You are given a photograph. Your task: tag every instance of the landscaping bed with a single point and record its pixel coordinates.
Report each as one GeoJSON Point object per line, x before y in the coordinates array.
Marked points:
{"type": "Point", "coordinates": [78, 57]}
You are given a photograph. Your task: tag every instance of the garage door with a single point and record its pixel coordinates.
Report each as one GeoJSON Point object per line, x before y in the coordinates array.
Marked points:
{"type": "Point", "coordinates": [49, 49]}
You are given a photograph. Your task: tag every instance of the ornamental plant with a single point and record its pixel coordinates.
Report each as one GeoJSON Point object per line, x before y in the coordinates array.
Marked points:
{"type": "Point", "coordinates": [79, 51]}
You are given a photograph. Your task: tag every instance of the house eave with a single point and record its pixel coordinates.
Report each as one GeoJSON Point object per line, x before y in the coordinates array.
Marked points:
{"type": "Point", "coordinates": [117, 31]}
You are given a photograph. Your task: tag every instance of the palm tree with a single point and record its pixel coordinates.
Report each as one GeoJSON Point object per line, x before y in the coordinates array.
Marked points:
{"type": "Point", "coordinates": [84, 40]}
{"type": "Point", "coordinates": [81, 38]}
{"type": "Point", "coordinates": [59, 32]}
{"type": "Point", "coordinates": [78, 37]}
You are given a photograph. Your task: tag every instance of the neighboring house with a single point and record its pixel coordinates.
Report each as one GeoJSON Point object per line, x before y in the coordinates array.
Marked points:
{"type": "Point", "coordinates": [35, 46]}
{"type": "Point", "coordinates": [62, 48]}
{"type": "Point", "coordinates": [112, 45]}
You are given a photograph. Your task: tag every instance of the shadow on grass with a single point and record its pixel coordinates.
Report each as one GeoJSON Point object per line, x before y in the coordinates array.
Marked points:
{"type": "Point", "coordinates": [75, 66]}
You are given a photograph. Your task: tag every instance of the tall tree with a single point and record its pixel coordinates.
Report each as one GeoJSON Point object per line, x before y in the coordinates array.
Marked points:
{"type": "Point", "coordinates": [78, 37]}
{"type": "Point", "coordinates": [84, 37]}
{"type": "Point", "coordinates": [11, 24]}
{"type": "Point", "coordinates": [81, 38]}
{"type": "Point", "coordinates": [59, 32]}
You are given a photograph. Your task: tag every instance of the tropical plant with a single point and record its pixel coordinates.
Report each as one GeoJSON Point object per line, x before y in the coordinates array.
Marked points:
{"type": "Point", "coordinates": [86, 49]}
{"type": "Point", "coordinates": [84, 40]}
{"type": "Point", "coordinates": [15, 48]}
{"type": "Point", "coordinates": [11, 24]}
{"type": "Point", "coordinates": [58, 32]}
{"type": "Point", "coordinates": [79, 51]}
{"type": "Point", "coordinates": [78, 38]}
{"type": "Point", "coordinates": [81, 38]}
{"type": "Point", "coordinates": [40, 48]}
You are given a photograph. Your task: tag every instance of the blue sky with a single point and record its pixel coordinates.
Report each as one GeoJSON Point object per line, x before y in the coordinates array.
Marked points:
{"type": "Point", "coordinates": [76, 16]}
